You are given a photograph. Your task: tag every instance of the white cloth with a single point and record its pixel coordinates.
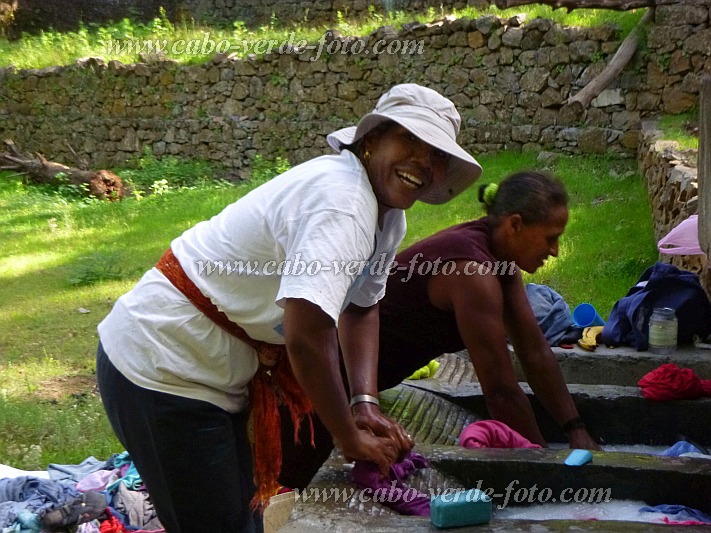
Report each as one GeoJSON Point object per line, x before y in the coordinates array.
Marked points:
{"type": "Point", "coordinates": [7, 471]}
{"type": "Point", "coordinates": [318, 213]}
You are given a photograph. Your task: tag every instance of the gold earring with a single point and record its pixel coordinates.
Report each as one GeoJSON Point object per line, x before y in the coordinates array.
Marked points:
{"type": "Point", "coordinates": [366, 155]}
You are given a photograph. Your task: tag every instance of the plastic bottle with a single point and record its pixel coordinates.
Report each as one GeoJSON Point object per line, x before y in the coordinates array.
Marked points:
{"type": "Point", "coordinates": [663, 330]}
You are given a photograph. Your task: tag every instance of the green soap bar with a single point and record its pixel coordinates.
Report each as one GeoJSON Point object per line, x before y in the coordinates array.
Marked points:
{"type": "Point", "coordinates": [461, 508]}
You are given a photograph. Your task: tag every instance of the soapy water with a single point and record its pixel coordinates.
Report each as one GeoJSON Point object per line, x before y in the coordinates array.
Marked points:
{"type": "Point", "coordinates": [626, 448]}
{"type": "Point", "coordinates": [621, 510]}
{"type": "Point", "coordinates": [624, 510]}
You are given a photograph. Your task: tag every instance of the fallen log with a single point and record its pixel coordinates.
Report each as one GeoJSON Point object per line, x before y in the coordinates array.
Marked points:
{"type": "Point", "coordinates": [570, 5]}
{"type": "Point", "coordinates": [616, 65]}
{"type": "Point", "coordinates": [102, 184]}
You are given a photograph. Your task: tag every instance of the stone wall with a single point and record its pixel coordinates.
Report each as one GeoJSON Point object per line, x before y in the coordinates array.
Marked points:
{"type": "Point", "coordinates": [671, 178]}
{"type": "Point", "coordinates": [509, 80]}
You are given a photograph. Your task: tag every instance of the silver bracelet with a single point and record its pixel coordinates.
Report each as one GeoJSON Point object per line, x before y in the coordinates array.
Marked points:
{"type": "Point", "coordinates": [360, 398]}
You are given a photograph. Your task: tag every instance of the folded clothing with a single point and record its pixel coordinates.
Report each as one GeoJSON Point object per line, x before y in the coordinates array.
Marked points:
{"type": "Point", "coordinates": [493, 434]}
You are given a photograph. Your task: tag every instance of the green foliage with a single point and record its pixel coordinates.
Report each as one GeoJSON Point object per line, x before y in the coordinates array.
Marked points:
{"type": "Point", "coordinates": [148, 173]}
{"type": "Point", "coordinates": [66, 431]}
{"type": "Point", "coordinates": [263, 170]}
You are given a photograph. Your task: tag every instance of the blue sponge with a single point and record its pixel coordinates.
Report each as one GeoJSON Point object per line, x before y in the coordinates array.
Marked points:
{"type": "Point", "coordinates": [461, 508]}
{"type": "Point", "coordinates": [578, 458]}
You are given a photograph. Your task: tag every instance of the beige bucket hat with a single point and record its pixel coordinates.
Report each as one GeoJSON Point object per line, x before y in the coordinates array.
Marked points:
{"type": "Point", "coordinates": [434, 119]}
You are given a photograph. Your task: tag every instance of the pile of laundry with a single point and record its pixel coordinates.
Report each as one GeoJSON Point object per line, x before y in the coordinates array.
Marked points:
{"type": "Point", "coordinates": [92, 497]}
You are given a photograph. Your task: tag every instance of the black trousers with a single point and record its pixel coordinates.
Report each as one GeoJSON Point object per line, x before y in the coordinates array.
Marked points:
{"type": "Point", "coordinates": [194, 457]}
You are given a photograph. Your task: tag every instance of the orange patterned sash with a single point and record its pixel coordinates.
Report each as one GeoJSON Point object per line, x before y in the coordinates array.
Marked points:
{"type": "Point", "coordinates": [274, 384]}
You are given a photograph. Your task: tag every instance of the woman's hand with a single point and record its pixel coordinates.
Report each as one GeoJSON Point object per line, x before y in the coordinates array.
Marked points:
{"type": "Point", "coordinates": [368, 417]}
{"type": "Point", "coordinates": [368, 447]}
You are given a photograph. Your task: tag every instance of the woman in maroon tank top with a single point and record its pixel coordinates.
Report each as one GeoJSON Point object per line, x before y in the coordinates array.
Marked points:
{"type": "Point", "coordinates": [476, 299]}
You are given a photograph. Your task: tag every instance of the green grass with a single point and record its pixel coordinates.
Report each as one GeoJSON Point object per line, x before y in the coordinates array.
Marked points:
{"type": "Point", "coordinates": [52, 48]}
{"type": "Point", "coordinates": [677, 128]}
{"type": "Point", "coordinates": [61, 253]}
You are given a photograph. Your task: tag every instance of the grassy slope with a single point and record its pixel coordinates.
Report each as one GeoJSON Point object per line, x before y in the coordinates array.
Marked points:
{"type": "Point", "coordinates": [53, 48]}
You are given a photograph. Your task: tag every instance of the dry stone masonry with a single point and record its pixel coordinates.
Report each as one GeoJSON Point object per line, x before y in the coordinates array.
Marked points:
{"type": "Point", "coordinates": [510, 80]}
{"type": "Point", "coordinates": [671, 179]}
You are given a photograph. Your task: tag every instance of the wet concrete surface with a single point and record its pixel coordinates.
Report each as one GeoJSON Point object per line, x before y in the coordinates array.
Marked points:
{"type": "Point", "coordinates": [347, 510]}
{"type": "Point", "coordinates": [613, 414]}
{"type": "Point", "coordinates": [436, 410]}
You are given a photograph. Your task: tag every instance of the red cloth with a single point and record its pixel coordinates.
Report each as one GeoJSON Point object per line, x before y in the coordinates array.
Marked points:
{"type": "Point", "coordinates": [493, 434]}
{"type": "Point", "coordinates": [669, 382]}
{"type": "Point", "coordinates": [112, 525]}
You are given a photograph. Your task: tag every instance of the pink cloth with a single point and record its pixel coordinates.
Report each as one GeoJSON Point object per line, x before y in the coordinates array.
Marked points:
{"type": "Point", "coordinates": [98, 480]}
{"type": "Point", "coordinates": [669, 382]}
{"type": "Point", "coordinates": [492, 434]}
{"type": "Point", "coordinates": [685, 522]}
{"type": "Point", "coordinates": [390, 491]}
{"type": "Point", "coordinates": [683, 239]}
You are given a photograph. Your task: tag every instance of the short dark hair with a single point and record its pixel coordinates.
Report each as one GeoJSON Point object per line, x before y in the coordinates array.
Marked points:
{"type": "Point", "coordinates": [530, 194]}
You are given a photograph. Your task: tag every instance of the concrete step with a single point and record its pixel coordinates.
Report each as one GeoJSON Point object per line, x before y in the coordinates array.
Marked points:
{"type": "Point", "coordinates": [609, 366]}
{"type": "Point", "coordinates": [615, 414]}
{"type": "Point", "coordinates": [342, 507]}
{"type": "Point", "coordinates": [623, 365]}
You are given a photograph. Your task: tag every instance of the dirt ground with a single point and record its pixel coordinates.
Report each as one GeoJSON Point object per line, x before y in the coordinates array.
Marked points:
{"type": "Point", "coordinates": [64, 386]}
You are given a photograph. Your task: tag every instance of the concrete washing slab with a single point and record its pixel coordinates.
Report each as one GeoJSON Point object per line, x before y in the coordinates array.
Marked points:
{"type": "Point", "coordinates": [346, 509]}
{"type": "Point", "coordinates": [614, 414]}
{"type": "Point", "coordinates": [435, 411]}
{"type": "Point", "coordinates": [608, 397]}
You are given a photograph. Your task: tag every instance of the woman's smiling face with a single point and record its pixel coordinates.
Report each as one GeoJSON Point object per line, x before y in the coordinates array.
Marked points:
{"type": "Point", "coordinates": [402, 167]}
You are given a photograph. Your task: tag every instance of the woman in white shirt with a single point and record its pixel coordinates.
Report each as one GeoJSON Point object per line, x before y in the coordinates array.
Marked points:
{"type": "Point", "coordinates": [280, 276]}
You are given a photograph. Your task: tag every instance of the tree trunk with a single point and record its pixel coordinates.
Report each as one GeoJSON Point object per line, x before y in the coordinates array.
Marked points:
{"type": "Point", "coordinates": [616, 65]}
{"type": "Point", "coordinates": [102, 184]}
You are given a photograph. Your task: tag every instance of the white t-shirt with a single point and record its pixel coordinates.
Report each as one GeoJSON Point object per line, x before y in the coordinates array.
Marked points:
{"type": "Point", "coordinates": [310, 233]}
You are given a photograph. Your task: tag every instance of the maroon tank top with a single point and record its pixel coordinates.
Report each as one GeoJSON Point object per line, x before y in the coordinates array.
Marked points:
{"type": "Point", "coordinates": [412, 330]}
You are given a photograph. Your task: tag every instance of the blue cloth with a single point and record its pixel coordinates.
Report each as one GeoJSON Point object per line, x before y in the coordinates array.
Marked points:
{"type": "Point", "coordinates": [132, 479]}
{"type": "Point", "coordinates": [33, 494]}
{"type": "Point", "coordinates": [26, 522]}
{"type": "Point", "coordinates": [682, 512]}
{"type": "Point", "coordinates": [118, 460]}
{"type": "Point", "coordinates": [75, 473]}
{"type": "Point", "coordinates": [661, 285]}
{"type": "Point", "coordinates": [680, 447]}
{"type": "Point", "coordinates": [551, 312]}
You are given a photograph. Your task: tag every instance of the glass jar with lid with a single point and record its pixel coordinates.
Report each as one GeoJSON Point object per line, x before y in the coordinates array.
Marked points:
{"type": "Point", "coordinates": [663, 330]}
